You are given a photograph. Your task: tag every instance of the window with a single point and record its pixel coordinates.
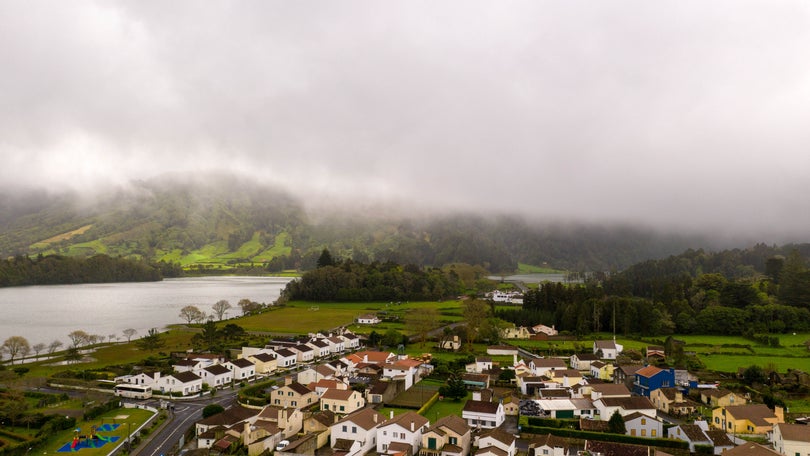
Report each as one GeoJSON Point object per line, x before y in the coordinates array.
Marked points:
{"type": "Point", "coordinates": [344, 428]}
{"type": "Point", "coordinates": [354, 429]}
{"type": "Point", "coordinates": [342, 408]}
{"type": "Point", "coordinates": [453, 441]}
{"type": "Point", "coordinates": [545, 450]}
{"type": "Point", "coordinates": [653, 433]}
{"type": "Point", "coordinates": [644, 421]}
{"type": "Point", "coordinates": [294, 403]}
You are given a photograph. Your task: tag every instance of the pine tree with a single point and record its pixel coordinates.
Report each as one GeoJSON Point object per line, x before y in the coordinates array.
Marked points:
{"type": "Point", "coordinates": [616, 423]}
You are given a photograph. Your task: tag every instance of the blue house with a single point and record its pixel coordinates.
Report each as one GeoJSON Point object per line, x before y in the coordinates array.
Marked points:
{"type": "Point", "coordinates": [650, 378]}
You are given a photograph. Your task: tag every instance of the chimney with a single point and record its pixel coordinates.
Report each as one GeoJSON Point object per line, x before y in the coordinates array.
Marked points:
{"type": "Point", "coordinates": [373, 415]}
{"type": "Point", "coordinates": [392, 414]}
{"type": "Point", "coordinates": [288, 380]}
{"type": "Point", "coordinates": [412, 427]}
{"type": "Point", "coordinates": [157, 376]}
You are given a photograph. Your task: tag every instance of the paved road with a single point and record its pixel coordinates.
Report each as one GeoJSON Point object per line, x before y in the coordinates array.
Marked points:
{"type": "Point", "coordinates": [185, 414]}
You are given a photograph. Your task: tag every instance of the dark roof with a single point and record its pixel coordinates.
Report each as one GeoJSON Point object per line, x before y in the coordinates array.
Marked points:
{"type": "Point", "coordinates": [628, 403]}
{"type": "Point", "coordinates": [756, 413]}
{"type": "Point", "coordinates": [241, 362]}
{"type": "Point", "coordinates": [298, 388]}
{"type": "Point", "coordinates": [719, 438]}
{"type": "Point", "coordinates": [453, 422]}
{"type": "Point", "coordinates": [499, 435]}
{"type": "Point", "coordinates": [229, 417]}
{"type": "Point", "coordinates": [186, 377]}
{"type": "Point", "coordinates": [481, 407]}
{"type": "Point", "coordinates": [586, 356]}
{"type": "Point", "coordinates": [264, 357]}
{"type": "Point", "coordinates": [693, 432]}
{"type": "Point", "coordinates": [366, 418]}
{"type": "Point", "coordinates": [325, 417]}
{"type": "Point", "coordinates": [217, 369]}
{"type": "Point", "coordinates": [285, 352]}
{"type": "Point", "coordinates": [404, 420]}
{"type": "Point", "coordinates": [750, 449]}
{"type": "Point", "coordinates": [616, 449]}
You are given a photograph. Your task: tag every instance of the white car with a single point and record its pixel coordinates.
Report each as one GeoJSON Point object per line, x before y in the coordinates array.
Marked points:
{"type": "Point", "coordinates": [281, 445]}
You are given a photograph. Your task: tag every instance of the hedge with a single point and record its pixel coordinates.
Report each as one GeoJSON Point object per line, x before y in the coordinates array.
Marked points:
{"type": "Point", "coordinates": [607, 437]}
{"type": "Point", "coordinates": [552, 422]}
{"type": "Point", "coordinates": [429, 403]}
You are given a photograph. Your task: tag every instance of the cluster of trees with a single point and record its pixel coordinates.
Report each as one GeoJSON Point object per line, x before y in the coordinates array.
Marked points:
{"type": "Point", "coordinates": [57, 269]}
{"type": "Point", "coordinates": [350, 281]}
{"type": "Point", "coordinates": [193, 314]}
{"type": "Point", "coordinates": [684, 295]}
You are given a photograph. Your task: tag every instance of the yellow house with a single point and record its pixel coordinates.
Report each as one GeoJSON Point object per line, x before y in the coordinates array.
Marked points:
{"type": "Point", "coordinates": [342, 401]}
{"type": "Point", "coordinates": [450, 436]}
{"type": "Point", "coordinates": [718, 397]}
{"type": "Point", "coordinates": [265, 363]}
{"type": "Point", "coordinates": [747, 419]}
{"type": "Point", "coordinates": [602, 371]}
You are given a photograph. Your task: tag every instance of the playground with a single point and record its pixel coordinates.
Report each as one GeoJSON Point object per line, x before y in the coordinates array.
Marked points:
{"type": "Point", "coordinates": [92, 438]}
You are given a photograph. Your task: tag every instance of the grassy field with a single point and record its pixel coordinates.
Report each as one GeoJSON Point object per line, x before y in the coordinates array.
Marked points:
{"type": "Point", "coordinates": [134, 418]}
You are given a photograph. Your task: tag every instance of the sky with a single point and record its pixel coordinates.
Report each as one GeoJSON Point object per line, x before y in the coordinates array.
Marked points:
{"type": "Point", "coordinates": [687, 115]}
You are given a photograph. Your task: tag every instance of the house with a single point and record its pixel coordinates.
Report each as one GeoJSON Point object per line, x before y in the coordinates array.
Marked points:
{"type": "Point", "coordinates": [304, 354]}
{"type": "Point", "coordinates": [602, 371]}
{"type": "Point", "coordinates": [483, 414]}
{"type": "Point", "coordinates": [650, 378]}
{"type": "Point", "coordinates": [481, 364]}
{"type": "Point", "coordinates": [582, 361]}
{"type": "Point", "coordinates": [293, 394]}
{"type": "Point", "coordinates": [401, 433]}
{"type": "Point", "coordinates": [626, 374]}
{"type": "Point", "coordinates": [601, 390]}
{"type": "Point", "coordinates": [342, 401]}
{"type": "Point", "coordinates": [690, 433]}
{"type": "Point", "coordinates": [515, 332]}
{"type": "Point", "coordinates": [368, 319]}
{"type": "Point", "coordinates": [747, 419]}
{"type": "Point", "coordinates": [497, 350]}
{"type": "Point", "coordinates": [791, 439]}
{"type": "Point", "coordinates": [656, 353]}
{"type": "Point", "coordinates": [475, 381]}
{"type": "Point", "coordinates": [369, 356]}
{"type": "Point", "coordinates": [565, 408]}
{"type": "Point", "coordinates": [406, 369]}
{"type": "Point", "coordinates": [607, 349]}
{"type": "Point", "coordinates": [264, 363]}
{"type": "Point", "coordinates": [502, 441]}
{"type": "Point", "coordinates": [289, 420]}
{"type": "Point", "coordinates": [720, 440]}
{"type": "Point", "coordinates": [544, 366]}
{"type": "Point", "coordinates": [450, 436]}
{"type": "Point", "coordinates": [216, 376]}
{"type": "Point", "coordinates": [183, 383]}
{"type": "Point", "coordinates": [224, 420]}
{"type": "Point", "coordinates": [566, 377]}
{"type": "Point", "coordinates": [321, 347]}
{"type": "Point", "coordinates": [546, 330]}
{"type": "Point", "coordinates": [451, 343]}
{"type": "Point", "coordinates": [625, 405]}
{"type": "Point", "coordinates": [719, 397]}
{"type": "Point", "coordinates": [671, 401]}
{"type": "Point", "coordinates": [750, 449]}
{"type": "Point", "coordinates": [336, 344]}
{"type": "Point", "coordinates": [286, 358]}
{"type": "Point", "coordinates": [640, 425]}
{"type": "Point", "coordinates": [358, 428]}
{"type": "Point", "coordinates": [242, 369]}
{"type": "Point", "coordinates": [320, 423]}
{"type": "Point", "coordinates": [350, 340]}
{"type": "Point", "coordinates": [140, 379]}
{"type": "Point", "coordinates": [548, 445]}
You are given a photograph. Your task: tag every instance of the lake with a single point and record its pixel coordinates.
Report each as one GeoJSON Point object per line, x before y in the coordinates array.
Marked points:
{"type": "Point", "coordinates": [48, 313]}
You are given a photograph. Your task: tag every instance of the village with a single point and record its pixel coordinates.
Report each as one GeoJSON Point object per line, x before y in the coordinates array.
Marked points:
{"type": "Point", "coordinates": [329, 390]}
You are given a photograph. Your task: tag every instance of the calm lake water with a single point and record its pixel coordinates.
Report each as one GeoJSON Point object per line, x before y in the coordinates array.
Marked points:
{"type": "Point", "coordinates": [48, 313]}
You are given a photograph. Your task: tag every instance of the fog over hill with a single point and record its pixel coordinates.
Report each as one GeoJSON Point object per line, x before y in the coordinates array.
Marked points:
{"type": "Point", "coordinates": [223, 219]}
{"type": "Point", "coordinates": [682, 117]}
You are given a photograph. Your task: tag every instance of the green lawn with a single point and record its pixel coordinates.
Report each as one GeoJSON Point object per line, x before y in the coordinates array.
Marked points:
{"type": "Point", "coordinates": [133, 419]}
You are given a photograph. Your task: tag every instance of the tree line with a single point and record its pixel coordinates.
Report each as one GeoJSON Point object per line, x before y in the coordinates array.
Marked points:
{"type": "Point", "coordinates": [58, 269]}
{"type": "Point", "coordinates": [684, 294]}
{"type": "Point", "coordinates": [350, 281]}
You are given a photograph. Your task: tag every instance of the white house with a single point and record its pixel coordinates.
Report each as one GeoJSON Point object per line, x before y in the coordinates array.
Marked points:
{"type": "Point", "coordinates": [140, 379]}
{"type": "Point", "coordinates": [350, 340]}
{"type": "Point", "coordinates": [368, 319]}
{"type": "Point", "coordinates": [286, 358]}
{"type": "Point", "coordinates": [481, 414]}
{"type": "Point", "coordinates": [401, 430]}
{"type": "Point", "coordinates": [406, 369]}
{"type": "Point", "coordinates": [361, 427]}
{"type": "Point", "coordinates": [791, 439]}
{"type": "Point", "coordinates": [640, 425]}
{"type": "Point", "coordinates": [185, 383]}
{"type": "Point", "coordinates": [625, 406]}
{"type": "Point", "coordinates": [336, 344]}
{"type": "Point", "coordinates": [690, 433]}
{"type": "Point", "coordinates": [608, 349]}
{"type": "Point", "coordinates": [496, 438]}
{"type": "Point", "coordinates": [320, 346]}
{"type": "Point", "coordinates": [216, 376]}
{"type": "Point", "coordinates": [545, 366]}
{"type": "Point", "coordinates": [543, 329]}
{"type": "Point", "coordinates": [242, 369]}
{"type": "Point", "coordinates": [548, 445]}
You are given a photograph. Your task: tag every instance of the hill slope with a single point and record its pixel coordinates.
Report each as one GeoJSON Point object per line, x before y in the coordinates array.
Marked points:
{"type": "Point", "coordinates": [216, 221]}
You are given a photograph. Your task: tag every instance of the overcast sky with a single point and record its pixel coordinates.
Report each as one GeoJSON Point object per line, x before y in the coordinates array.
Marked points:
{"type": "Point", "coordinates": [685, 114]}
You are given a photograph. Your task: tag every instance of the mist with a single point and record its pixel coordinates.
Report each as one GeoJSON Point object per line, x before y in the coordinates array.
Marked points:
{"type": "Point", "coordinates": [679, 116]}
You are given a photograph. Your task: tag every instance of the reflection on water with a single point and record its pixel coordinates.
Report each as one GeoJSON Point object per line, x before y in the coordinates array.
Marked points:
{"type": "Point", "coordinates": [48, 313]}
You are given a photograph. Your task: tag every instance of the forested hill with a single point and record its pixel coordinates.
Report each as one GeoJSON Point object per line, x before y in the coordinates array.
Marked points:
{"type": "Point", "coordinates": [216, 222]}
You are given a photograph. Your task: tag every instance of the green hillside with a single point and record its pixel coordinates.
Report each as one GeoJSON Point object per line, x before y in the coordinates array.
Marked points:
{"type": "Point", "coordinates": [222, 222]}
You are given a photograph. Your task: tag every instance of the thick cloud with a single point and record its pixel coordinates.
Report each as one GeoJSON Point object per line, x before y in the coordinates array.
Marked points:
{"type": "Point", "coordinates": [684, 114]}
